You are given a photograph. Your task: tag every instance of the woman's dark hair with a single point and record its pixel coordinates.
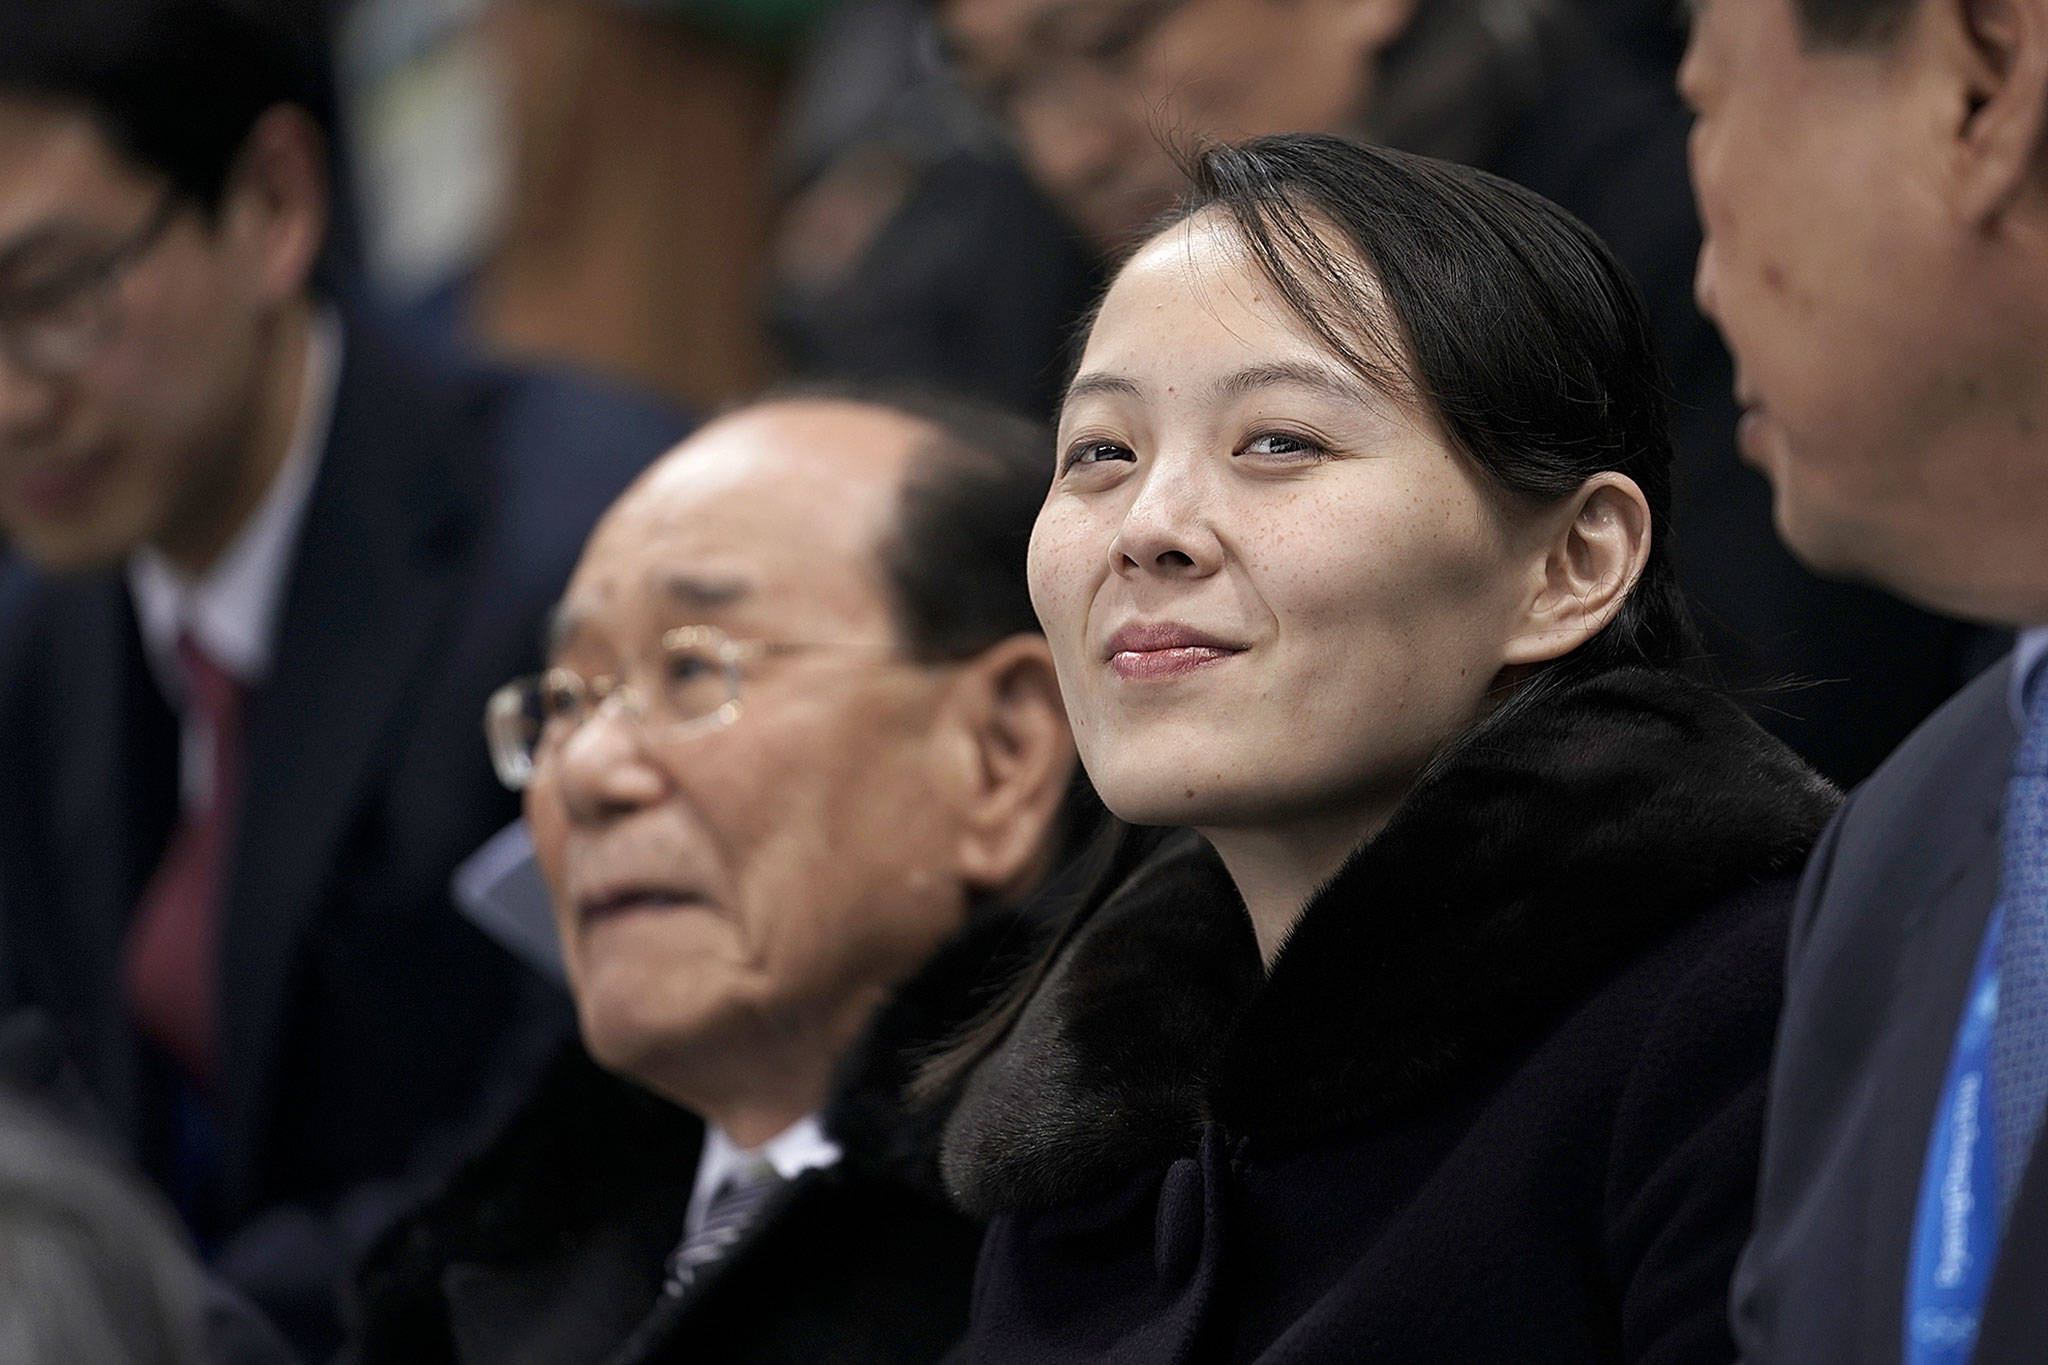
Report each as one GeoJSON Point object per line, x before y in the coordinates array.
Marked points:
{"type": "Point", "coordinates": [1491, 309]}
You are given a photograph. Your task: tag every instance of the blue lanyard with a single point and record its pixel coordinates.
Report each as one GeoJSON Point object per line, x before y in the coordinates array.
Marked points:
{"type": "Point", "coordinates": [1955, 1237]}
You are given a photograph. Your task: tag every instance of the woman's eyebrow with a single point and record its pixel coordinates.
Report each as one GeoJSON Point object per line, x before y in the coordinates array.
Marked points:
{"type": "Point", "coordinates": [1324, 379]}
{"type": "Point", "coordinates": [1088, 385]}
{"type": "Point", "coordinates": [1335, 383]}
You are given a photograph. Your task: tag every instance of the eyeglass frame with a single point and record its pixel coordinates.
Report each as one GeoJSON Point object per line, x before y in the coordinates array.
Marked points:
{"type": "Point", "coordinates": [515, 767]}
{"type": "Point", "coordinates": [96, 281]}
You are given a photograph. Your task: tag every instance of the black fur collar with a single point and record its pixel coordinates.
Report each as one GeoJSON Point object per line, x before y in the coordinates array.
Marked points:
{"type": "Point", "coordinates": [1547, 848]}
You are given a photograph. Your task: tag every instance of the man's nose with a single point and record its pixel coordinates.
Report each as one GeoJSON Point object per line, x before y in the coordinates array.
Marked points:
{"type": "Point", "coordinates": [606, 766]}
{"type": "Point", "coordinates": [1072, 149]}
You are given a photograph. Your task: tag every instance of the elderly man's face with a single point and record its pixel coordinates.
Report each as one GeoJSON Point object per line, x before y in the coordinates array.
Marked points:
{"type": "Point", "coordinates": [771, 878]}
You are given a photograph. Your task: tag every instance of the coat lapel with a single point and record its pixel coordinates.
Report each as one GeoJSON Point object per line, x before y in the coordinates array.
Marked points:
{"type": "Point", "coordinates": [568, 1308]}
{"type": "Point", "coordinates": [375, 576]}
{"type": "Point", "coordinates": [1937, 957]}
{"type": "Point", "coordinates": [114, 797]}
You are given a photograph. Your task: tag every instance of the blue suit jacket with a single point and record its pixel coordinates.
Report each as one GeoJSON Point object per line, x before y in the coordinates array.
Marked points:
{"type": "Point", "coordinates": [361, 1018]}
{"type": "Point", "coordinates": [1884, 943]}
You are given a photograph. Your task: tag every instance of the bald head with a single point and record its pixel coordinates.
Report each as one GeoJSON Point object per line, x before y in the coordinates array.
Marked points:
{"type": "Point", "coordinates": [925, 500]}
{"type": "Point", "coordinates": [784, 502]}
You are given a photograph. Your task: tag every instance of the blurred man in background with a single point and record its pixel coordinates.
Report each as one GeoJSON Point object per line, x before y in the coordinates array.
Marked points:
{"type": "Point", "coordinates": [1565, 97]}
{"type": "Point", "coordinates": [798, 759]}
{"type": "Point", "coordinates": [1873, 176]}
{"type": "Point", "coordinates": [271, 569]}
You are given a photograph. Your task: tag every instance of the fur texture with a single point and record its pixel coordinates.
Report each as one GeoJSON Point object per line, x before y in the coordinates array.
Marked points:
{"type": "Point", "coordinates": [1545, 850]}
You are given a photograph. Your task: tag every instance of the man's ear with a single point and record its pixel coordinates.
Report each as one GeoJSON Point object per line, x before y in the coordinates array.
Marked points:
{"type": "Point", "coordinates": [1597, 545]}
{"type": "Point", "coordinates": [2001, 52]}
{"type": "Point", "coordinates": [275, 210]}
{"type": "Point", "coordinates": [1021, 758]}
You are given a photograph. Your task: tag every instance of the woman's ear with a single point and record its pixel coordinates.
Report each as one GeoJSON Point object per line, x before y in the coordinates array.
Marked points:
{"type": "Point", "coordinates": [1021, 760]}
{"type": "Point", "coordinates": [1593, 553]}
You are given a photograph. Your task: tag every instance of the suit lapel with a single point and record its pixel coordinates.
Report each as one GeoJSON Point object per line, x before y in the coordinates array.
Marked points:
{"type": "Point", "coordinates": [375, 575]}
{"type": "Point", "coordinates": [114, 798]}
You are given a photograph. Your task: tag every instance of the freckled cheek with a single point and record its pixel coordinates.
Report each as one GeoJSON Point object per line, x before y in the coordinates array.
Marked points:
{"type": "Point", "coordinates": [1065, 559]}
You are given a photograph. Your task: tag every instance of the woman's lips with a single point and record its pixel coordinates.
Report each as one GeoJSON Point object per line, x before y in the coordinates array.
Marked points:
{"type": "Point", "coordinates": [1164, 650]}
{"type": "Point", "coordinates": [1136, 664]}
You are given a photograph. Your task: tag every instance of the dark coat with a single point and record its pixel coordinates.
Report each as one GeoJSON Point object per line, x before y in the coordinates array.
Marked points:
{"type": "Point", "coordinates": [1884, 943]}
{"type": "Point", "coordinates": [549, 1248]}
{"type": "Point", "coordinates": [359, 1014]}
{"type": "Point", "coordinates": [1498, 1100]}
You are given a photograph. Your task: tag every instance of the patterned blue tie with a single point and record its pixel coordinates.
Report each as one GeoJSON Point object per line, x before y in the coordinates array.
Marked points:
{"type": "Point", "coordinates": [2019, 1039]}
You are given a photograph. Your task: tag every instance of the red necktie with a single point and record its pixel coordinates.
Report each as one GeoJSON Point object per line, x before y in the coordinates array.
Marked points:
{"type": "Point", "coordinates": [168, 968]}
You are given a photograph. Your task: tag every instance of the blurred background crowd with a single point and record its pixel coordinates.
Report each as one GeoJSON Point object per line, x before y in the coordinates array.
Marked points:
{"type": "Point", "coordinates": [604, 221]}
{"type": "Point", "coordinates": [902, 189]}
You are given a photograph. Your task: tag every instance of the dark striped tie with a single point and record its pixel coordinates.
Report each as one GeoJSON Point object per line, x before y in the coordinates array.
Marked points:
{"type": "Point", "coordinates": [730, 1215]}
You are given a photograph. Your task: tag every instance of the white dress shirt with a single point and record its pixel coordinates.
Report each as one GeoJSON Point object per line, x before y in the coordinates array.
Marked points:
{"type": "Point", "coordinates": [800, 1147]}
{"type": "Point", "coordinates": [231, 613]}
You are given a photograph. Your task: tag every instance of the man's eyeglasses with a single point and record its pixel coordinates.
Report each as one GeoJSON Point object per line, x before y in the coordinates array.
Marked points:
{"type": "Point", "coordinates": [693, 689]}
{"type": "Point", "coordinates": [55, 327]}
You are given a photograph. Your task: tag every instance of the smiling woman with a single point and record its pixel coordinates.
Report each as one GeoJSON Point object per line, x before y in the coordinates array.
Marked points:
{"type": "Point", "coordinates": [1443, 1035]}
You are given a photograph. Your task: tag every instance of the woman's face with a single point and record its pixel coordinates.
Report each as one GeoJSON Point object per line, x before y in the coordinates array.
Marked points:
{"type": "Point", "coordinates": [1271, 590]}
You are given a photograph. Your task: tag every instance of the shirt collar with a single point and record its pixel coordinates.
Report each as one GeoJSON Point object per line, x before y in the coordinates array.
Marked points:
{"type": "Point", "coordinates": [232, 611]}
{"type": "Point", "coordinates": [800, 1147]}
{"type": "Point", "coordinates": [2029, 652]}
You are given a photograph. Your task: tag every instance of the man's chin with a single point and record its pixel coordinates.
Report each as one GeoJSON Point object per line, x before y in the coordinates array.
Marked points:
{"type": "Point", "coordinates": [1848, 551]}
{"type": "Point", "coordinates": [1816, 541]}
{"type": "Point", "coordinates": [648, 1036]}
{"type": "Point", "coordinates": [69, 547]}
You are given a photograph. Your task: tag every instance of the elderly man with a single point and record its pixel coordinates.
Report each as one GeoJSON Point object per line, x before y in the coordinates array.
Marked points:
{"type": "Point", "coordinates": [1873, 175]}
{"type": "Point", "coordinates": [1100, 93]}
{"type": "Point", "coordinates": [798, 756]}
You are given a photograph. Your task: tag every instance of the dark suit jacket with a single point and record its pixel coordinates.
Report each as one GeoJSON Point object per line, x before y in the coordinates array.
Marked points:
{"type": "Point", "coordinates": [1884, 941]}
{"type": "Point", "coordinates": [358, 1012]}
{"type": "Point", "coordinates": [549, 1247]}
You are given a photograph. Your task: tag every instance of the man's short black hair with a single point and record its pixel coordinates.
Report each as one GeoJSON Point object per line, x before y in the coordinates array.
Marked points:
{"type": "Point", "coordinates": [1850, 23]}
{"type": "Point", "coordinates": [176, 85]}
{"type": "Point", "coordinates": [954, 560]}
